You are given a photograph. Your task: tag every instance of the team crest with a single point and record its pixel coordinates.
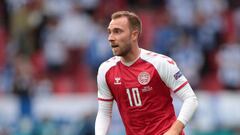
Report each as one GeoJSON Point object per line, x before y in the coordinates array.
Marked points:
{"type": "Point", "coordinates": [144, 78]}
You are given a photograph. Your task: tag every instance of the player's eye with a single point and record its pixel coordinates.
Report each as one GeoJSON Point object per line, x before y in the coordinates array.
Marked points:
{"type": "Point", "coordinates": [117, 31]}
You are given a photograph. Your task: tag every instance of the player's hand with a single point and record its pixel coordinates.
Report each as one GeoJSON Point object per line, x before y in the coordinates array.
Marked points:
{"type": "Point", "coordinates": [171, 132]}
{"type": "Point", "coordinates": [175, 129]}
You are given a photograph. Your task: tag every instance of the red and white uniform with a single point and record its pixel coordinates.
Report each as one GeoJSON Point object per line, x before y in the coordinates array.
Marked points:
{"type": "Point", "coordinates": [142, 91]}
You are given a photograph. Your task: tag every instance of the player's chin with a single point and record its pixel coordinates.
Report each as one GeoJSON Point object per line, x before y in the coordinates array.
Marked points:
{"type": "Point", "coordinates": [116, 51]}
{"type": "Point", "coordinates": [116, 54]}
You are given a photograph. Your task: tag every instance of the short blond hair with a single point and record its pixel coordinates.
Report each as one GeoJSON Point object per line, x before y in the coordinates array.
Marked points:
{"type": "Point", "coordinates": [134, 20]}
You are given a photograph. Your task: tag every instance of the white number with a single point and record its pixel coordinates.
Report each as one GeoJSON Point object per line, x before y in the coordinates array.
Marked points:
{"type": "Point", "coordinates": [136, 97]}
{"type": "Point", "coordinates": [129, 97]}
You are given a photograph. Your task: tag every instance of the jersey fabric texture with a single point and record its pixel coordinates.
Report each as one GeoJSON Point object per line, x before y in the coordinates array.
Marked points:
{"type": "Point", "coordinates": [142, 91]}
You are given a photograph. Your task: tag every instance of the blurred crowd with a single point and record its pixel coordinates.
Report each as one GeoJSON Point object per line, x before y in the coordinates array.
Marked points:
{"type": "Point", "coordinates": [50, 47]}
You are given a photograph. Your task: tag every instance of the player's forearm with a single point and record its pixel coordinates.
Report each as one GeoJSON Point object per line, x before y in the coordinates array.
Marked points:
{"type": "Point", "coordinates": [103, 118]}
{"type": "Point", "coordinates": [189, 106]}
{"type": "Point", "coordinates": [101, 125]}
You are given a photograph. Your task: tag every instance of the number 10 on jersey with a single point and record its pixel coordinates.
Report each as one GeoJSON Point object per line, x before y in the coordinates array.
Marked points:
{"type": "Point", "coordinates": [134, 93]}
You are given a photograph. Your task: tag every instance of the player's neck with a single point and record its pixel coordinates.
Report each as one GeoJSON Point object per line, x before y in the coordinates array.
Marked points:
{"type": "Point", "coordinates": [132, 56]}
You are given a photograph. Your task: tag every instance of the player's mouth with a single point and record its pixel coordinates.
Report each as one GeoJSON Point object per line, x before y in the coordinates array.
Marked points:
{"type": "Point", "coordinates": [114, 46]}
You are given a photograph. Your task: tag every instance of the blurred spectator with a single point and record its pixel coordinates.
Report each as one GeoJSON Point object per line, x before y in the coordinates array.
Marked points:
{"type": "Point", "coordinates": [189, 58]}
{"type": "Point", "coordinates": [24, 23]}
{"type": "Point", "coordinates": [89, 4]}
{"type": "Point", "coordinates": [63, 7]}
{"type": "Point", "coordinates": [75, 28]}
{"type": "Point", "coordinates": [183, 13]}
{"type": "Point", "coordinates": [23, 85]}
{"type": "Point", "coordinates": [75, 31]}
{"type": "Point", "coordinates": [4, 27]}
{"type": "Point", "coordinates": [98, 49]}
{"type": "Point", "coordinates": [165, 33]}
{"type": "Point", "coordinates": [207, 30]}
{"type": "Point", "coordinates": [55, 53]}
{"type": "Point", "coordinates": [236, 19]}
{"type": "Point", "coordinates": [6, 79]}
{"type": "Point", "coordinates": [211, 8]}
{"type": "Point", "coordinates": [228, 59]}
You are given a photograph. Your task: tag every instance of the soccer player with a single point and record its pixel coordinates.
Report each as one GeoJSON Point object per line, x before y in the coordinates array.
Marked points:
{"type": "Point", "coordinates": [141, 83]}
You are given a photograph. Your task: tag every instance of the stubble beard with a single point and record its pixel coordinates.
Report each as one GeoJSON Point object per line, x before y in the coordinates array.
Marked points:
{"type": "Point", "coordinates": [123, 51]}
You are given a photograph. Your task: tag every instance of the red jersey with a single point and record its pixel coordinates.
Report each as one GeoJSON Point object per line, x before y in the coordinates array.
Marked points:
{"type": "Point", "coordinates": [142, 91]}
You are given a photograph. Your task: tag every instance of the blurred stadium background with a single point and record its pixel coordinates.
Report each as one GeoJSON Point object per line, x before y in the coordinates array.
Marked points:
{"type": "Point", "coordinates": [50, 51]}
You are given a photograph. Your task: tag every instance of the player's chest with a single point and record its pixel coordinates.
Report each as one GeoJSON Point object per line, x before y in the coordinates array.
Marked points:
{"type": "Point", "coordinates": [122, 77]}
{"type": "Point", "coordinates": [133, 86]}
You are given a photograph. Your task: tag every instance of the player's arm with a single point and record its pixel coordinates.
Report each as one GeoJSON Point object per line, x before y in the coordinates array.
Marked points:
{"type": "Point", "coordinates": [189, 105]}
{"type": "Point", "coordinates": [105, 102]}
{"type": "Point", "coordinates": [104, 117]}
{"type": "Point", "coordinates": [188, 108]}
{"type": "Point", "coordinates": [175, 80]}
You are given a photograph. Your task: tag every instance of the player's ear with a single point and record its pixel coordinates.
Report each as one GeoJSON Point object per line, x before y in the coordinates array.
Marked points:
{"type": "Point", "coordinates": [135, 34]}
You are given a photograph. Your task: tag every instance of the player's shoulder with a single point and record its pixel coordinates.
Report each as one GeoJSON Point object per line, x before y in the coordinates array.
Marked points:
{"type": "Point", "coordinates": [106, 65]}
{"type": "Point", "coordinates": [156, 58]}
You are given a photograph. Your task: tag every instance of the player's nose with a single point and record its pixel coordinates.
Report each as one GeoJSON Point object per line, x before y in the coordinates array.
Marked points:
{"type": "Point", "coordinates": [111, 38]}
